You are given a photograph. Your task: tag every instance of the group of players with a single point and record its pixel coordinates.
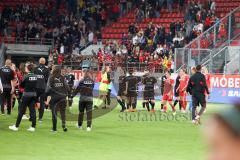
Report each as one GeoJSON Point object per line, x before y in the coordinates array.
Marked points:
{"type": "Point", "coordinates": [39, 87]}
{"type": "Point", "coordinates": [197, 86]}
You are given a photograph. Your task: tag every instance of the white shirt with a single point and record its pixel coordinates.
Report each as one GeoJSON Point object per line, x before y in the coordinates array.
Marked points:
{"type": "Point", "coordinates": [90, 37]}
{"type": "Point", "coordinates": [135, 40]}
{"type": "Point", "coordinates": [62, 49]}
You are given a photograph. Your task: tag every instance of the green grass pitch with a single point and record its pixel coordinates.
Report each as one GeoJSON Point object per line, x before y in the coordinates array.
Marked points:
{"type": "Point", "coordinates": [114, 137]}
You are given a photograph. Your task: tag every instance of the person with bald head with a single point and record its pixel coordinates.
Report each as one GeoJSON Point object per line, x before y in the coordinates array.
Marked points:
{"type": "Point", "coordinates": [42, 73]}
{"type": "Point", "coordinates": [7, 78]}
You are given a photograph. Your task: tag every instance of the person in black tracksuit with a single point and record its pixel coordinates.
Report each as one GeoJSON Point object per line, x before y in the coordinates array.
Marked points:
{"type": "Point", "coordinates": [7, 77]}
{"type": "Point", "coordinates": [108, 98]}
{"type": "Point", "coordinates": [57, 90]}
{"type": "Point", "coordinates": [28, 99]}
{"type": "Point", "coordinates": [85, 88]}
{"type": "Point", "coordinates": [42, 72]}
{"type": "Point", "coordinates": [176, 92]}
{"type": "Point", "coordinates": [69, 77]}
{"type": "Point", "coordinates": [197, 87]}
{"type": "Point", "coordinates": [163, 78]}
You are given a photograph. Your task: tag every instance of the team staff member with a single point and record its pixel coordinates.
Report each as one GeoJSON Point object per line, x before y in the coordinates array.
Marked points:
{"type": "Point", "coordinates": [29, 84]}
{"type": "Point", "coordinates": [197, 87]}
{"type": "Point", "coordinates": [7, 78]}
{"type": "Point", "coordinates": [42, 72]}
{"type": "Point", "coordinates": [148, 93]}
{"type": "Point", "coordinates": [57, 91]}
{"type": "Point", "coordinates": [69, 77]}
{"type": "Point", "coordinates": [85, 88]}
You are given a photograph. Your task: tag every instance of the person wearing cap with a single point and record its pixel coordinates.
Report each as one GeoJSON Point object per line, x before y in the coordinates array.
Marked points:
{"type": "Point", "coordinates": [222, 132]}
{"type": "Point", "coordinates": [197, 87]}
{"type": "Point", "coordinates": [85, 88]}
{"type": "Point", "coordinates": [42, 72]}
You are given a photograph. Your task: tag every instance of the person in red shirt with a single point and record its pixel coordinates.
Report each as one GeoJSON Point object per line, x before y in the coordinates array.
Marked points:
{"type": "Point", "coordinates": [184, 78]}
{"type": "Point", "coordinates": [208, 81]}
{"type": "Point", "coordinates": [168, 92]}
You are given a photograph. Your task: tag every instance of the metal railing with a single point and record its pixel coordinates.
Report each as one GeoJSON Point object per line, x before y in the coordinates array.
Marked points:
{"type": "Point", "coordinates": [32, 41]}
{"type": "Point", "coordinates": [220, 35]}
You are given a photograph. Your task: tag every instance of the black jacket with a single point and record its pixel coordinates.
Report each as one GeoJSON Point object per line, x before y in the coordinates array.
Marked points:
{"type": "Point", "coordinates": [85, 88]}
{"type": "Point", "coordinates": [57, 87]}
{"type": "Point", "coordinates": [43, 73]}
{"type": "Point", "coordinates": [197, 85]}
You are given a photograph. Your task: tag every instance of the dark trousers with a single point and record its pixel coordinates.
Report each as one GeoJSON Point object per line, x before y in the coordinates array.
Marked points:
{"type": "Point", "coordinates": [58, 105]}
{"type": "Point", "coordinates": [108, 98]}
{"type": "Point", "coordinates": [196, 100]}
{"type": "Point", "coordinates": [6, 98]}
{"type": "Point", "coordinates": [70, 96]}
{"type": "Point", "coordinates": [41, 99]}
{"type": "Point", "coordinates": [85, 105]}
{"type": "Point", "coordinates": [30, 103]}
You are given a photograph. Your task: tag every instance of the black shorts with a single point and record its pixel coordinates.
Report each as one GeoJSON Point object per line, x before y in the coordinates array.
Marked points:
{"type": "Point", "coordinates": [176, 94]}
{"type": "Point", "coordinates": [148, 95]}
{"type": "Point", "coordinates": [131, 93]}
{"type": "Point", "coordinates": [199, 99]}
{"type": "Point", "coordinates": [121, 93]}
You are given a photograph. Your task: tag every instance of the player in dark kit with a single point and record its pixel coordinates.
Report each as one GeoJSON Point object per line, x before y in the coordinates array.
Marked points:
{"type": "Point", "coordinates": [121, 97]}
{"type": "Point", "coordinates": [197, 87]}
{"type": "Point", "coordinates": [148, 93]}
{"type": "Point", "coordinates": [163, 79]}
{"type": "Point", "coordinates": [85, 88]}
{"type": "Point", "coordinates": [131, 89]}
{"type": "Point", "coordinates": [57, 90]}
{"type": "Point", "coordinates": [7, 78]}
{"type": "Point", "coordinates": [28, 99]}
{"type": "Point", "coordinates": [69, 77]}
{"type": "Point", "coordinates": [42, 72]}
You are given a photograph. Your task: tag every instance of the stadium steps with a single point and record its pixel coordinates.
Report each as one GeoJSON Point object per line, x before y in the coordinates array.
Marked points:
{"type": "Point", "coordinates": [116, 30]}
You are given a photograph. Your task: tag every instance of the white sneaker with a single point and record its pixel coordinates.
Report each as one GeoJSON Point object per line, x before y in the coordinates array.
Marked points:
{"type": "Point", "coordinates": [25, 117]}
{"type": "Point", "coordinates": [174, 113]}
{"type": "Point", "coordinates": [13, 128]}
{"type": "Point", "coordinates": [162, 110]}
{"type": "Point", "coordinates": [89, 129]}
{"type": "Point", "coordinates": [79, 127]}
{"type": "Point", "coordinates": [183, 111]}
{"type": "Point", "coordinates": [197, 117]}
{"type": "Point", "coordinates": [193, 121]}
{"type": "Point", "coordinates": [31, 129]}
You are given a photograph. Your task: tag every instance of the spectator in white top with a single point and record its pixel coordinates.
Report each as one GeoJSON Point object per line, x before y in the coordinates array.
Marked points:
{"type": "Point", "coordinates": [159, 49]}
{"type": "Point", "coordinates": [213, 6]}
{"type": "Point", "coordinates": [135, 40]}
{"type": "Point", "coordinates": [62, 49]}
{"type": "Point", "coordinates": [90, 37]}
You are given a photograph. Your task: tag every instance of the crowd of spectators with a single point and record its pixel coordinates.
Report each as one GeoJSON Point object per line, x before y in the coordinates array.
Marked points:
{"type": "Point", "coordinates": [155, 46]}
{"type": "Point", "coordinates": [75, 27]}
